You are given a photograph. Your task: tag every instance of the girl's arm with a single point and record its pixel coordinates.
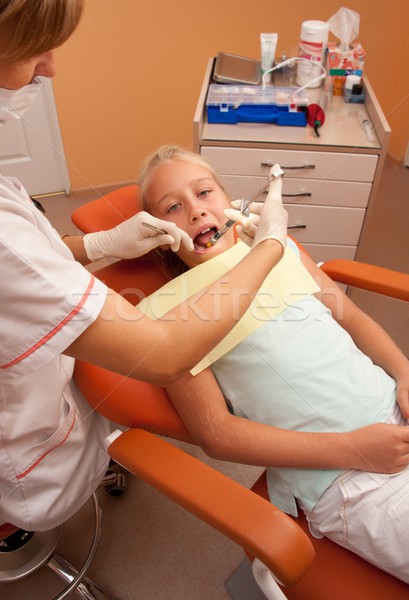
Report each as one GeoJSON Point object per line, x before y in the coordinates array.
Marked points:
{"type": "Point", "coordinates": [366, 333]}
{"type": "Point", "coordinates": [201, 405]}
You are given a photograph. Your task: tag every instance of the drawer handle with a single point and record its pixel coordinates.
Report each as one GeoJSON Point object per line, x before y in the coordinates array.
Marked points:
{"type": "Point", "coordinates": [297, 227]}
{"type": "Point", "coordinates": [270, 164]}
{"type": "Point", "coordinates": [294, 195]}
{"type": "Point", "coordinates": [297, 195]}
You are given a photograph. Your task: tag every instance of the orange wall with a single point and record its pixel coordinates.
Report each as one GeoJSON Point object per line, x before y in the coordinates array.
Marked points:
{"type": "Point", "coordinates": [129, 78]}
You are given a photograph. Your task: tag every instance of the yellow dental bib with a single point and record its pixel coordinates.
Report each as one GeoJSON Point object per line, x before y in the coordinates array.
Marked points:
{"type": "Point", "coordinates": [286, 284]}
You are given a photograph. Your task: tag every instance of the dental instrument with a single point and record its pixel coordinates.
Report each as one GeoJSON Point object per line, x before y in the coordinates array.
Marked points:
{"type": "Point", "coordinates": [366, 126]}
{"type": "Point", "coordinates": [244, 208]}
{"type": "Point", "coordinates": [153, 227]}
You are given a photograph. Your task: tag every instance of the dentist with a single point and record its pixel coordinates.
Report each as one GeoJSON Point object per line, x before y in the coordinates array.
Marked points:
{"type": "Point", "coordinates": [52, 452]}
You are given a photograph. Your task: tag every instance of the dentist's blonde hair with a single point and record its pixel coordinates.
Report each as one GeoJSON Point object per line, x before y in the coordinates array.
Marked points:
{"type": "Point", "coordinates": [29, 28]}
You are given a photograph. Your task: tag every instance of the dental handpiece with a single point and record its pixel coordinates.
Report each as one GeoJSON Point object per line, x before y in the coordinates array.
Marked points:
{"type": "Point", "coordinates": [244, 209]}
{"type": "Point", "coordinates": [223, 229]}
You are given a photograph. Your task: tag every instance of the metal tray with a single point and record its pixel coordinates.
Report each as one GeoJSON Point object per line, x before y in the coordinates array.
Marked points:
{"type": "Point", "coordinates": [234, 69]}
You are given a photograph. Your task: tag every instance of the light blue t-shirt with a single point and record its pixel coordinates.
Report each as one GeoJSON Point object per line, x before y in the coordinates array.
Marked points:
{"type": "Point", "coordinates": [302, 371]}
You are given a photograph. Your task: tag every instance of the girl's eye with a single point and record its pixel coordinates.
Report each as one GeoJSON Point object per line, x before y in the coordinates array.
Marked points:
{"type": "Point", "coordinates": [204, 193]}
{"type": "Point", "coordinates": [173, 208]}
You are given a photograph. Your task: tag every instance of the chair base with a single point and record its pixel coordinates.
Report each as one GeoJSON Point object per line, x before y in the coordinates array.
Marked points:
{"type": "Point", "coordinates": [87, 589]}
{"type": "Point", "coordinates": [19, 563]}
{"type": "Point", "coordinates": [40, 550]}
{"type": "Point", "coordinates": [115, 483]}
{"type": "Point", "coordinates": [241, 584]}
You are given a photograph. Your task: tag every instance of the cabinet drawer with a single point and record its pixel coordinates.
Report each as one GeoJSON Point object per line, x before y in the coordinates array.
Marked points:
{"type": "Point", "coordinates": [324, 252]}
{"type": "Point", "coordinates": [304, 191]}
{"type": "Point", "coordinates": [325, 225]}
{"type": "Point", "coordinates": [296, 163]}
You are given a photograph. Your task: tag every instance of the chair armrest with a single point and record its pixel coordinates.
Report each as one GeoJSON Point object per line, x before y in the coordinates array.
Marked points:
{"type": "Point", "coordinates": [249, 520]}
{"type": "Point", "coordinates": [369, 277]}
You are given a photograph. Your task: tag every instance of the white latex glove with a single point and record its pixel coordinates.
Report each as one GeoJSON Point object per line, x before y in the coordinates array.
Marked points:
{"type": "Point", "coordinates": [246, 230]}
{"type": "Point", "coordinates": [131, 239]}
{"type": "Point", "coordinates": [267, 220]}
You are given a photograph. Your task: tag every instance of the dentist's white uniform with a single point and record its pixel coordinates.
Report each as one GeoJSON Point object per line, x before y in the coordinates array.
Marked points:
{"type": "Point", "coordinates": [52, 451]}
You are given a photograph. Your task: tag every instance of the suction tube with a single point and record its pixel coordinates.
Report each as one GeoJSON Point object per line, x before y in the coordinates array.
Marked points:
{"type": "Point", "coordinates": [268, 42]}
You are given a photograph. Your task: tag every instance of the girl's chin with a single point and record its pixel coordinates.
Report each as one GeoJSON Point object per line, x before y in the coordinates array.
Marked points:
{"type": "Point", "coordinates": [202, 251]}
{"type": "Point", "coordinates": [211, 251]}
{"type": "Point", "coordinates": [200, 255]}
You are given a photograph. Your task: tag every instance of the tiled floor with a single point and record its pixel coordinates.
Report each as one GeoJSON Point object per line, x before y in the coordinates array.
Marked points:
{"type": "Point", "coordinates": [151, 548]}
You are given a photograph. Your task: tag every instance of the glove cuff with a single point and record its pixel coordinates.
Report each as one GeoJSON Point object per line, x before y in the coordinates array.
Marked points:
{"type": "Point", "coordinates": [272, 236]}
{"type": "Point", "coordinates": [92, 246]}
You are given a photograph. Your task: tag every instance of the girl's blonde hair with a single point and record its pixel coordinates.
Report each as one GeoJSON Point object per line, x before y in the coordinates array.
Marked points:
{"type": "Point", "coordinates": [168, 260]}
{"type": "Point", "coordinates": [168, 153]}
{"type": "Point", "coordinates": [29, 28]}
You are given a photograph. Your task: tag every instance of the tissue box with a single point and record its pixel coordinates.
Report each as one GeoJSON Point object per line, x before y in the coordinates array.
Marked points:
{"type": "Point", "coordinates": [352, 59]}
{"type": "Point", "coordinates": [341, 63]}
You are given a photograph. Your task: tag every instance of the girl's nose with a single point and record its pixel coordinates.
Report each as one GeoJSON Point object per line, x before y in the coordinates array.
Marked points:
{"type": "Point", "coordinates": [197, 212]}
{"type": "Point", "coordinates": [46, 65]}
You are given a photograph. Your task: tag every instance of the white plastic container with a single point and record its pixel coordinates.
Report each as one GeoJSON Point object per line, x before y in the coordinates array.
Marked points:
{"type": "Point", "coordinates": [268, 42]}
{"type": "Point", "coordinates": [313, 44]}
{"type": "Point", "coordinates": [351, 80]}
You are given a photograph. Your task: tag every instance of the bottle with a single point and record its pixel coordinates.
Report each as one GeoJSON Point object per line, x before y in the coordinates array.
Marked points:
{"type": "Point", "coordinates": [313, 45]}
{"type": "Point", "coordinates": [288, 72]}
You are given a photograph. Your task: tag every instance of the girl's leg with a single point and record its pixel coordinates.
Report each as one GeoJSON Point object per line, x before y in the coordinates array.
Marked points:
{"type": "Point", "coordinates": [368, 514]}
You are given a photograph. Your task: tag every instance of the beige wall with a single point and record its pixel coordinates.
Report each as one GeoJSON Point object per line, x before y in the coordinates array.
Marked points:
{"type": "Point", "coordinates": [129, 78]}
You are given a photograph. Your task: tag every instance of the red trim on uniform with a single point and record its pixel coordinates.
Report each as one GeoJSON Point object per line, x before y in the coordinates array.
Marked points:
{"type": "Point", "coordinates": [56, 329]}
{"type": "Point", "coordinates": [33, 466]}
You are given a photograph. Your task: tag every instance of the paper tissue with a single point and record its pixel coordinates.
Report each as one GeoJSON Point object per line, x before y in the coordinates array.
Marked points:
{"type": "Point", "coordinates": [344, 58]}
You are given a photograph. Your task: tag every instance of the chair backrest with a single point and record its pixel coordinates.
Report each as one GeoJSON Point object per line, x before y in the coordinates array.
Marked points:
{"type": "Point", "coordinates": [128, 401]}
{"type": "Point", "coordinates": [108, 210]}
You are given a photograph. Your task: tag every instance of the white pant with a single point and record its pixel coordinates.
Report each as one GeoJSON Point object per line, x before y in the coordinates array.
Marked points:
{"type": "Point", "coordinates": [368, 513]}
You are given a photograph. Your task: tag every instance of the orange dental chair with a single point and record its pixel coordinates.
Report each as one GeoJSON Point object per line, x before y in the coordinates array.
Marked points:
{"type": "Point", "coordinates": [306, 568]}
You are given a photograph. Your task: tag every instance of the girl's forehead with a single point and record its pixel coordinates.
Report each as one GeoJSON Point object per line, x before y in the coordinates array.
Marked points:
{"type": "Point", "coordinates": [183, 167]}
{"type": "Point", "coordinates": [175, 176]}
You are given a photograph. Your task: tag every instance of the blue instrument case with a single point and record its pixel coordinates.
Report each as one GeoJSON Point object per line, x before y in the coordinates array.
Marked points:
{"type": "Point", "coordinates": [255, 104]}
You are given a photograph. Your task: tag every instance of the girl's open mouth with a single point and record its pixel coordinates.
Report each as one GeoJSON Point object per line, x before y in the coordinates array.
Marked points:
{"type": "Point", "coordinates": [200, 241]}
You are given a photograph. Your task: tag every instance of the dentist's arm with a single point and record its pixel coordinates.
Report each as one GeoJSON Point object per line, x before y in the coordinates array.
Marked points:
{"type": "Point", "coordinates": [122, 339]}
{"type": "Point", "coordinates": [125, 341]}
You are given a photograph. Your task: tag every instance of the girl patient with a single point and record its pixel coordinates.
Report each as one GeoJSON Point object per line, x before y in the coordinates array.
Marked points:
{"type": "Point", "coordinates": [319, 394]}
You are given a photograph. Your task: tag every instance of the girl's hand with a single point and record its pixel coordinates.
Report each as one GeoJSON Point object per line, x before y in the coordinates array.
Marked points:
{"type": "Point", "coordinates": [402, 395]}
{"type": "Point", "coordinates": [380, 448]}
